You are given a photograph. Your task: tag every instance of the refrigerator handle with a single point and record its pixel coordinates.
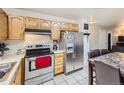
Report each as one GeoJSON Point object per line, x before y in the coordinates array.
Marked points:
{"type": "Point", "coordinates": [75, 48]}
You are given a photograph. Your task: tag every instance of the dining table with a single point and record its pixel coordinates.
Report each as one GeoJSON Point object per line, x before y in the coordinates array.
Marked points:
{"type": "Point", "coordinates": [114, 58]}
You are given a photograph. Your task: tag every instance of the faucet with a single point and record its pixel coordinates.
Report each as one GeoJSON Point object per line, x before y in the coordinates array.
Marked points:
{"type": "Point", "coordinates": [3, 47]}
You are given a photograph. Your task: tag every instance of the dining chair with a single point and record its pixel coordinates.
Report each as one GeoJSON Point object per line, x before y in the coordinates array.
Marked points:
{"type": "Point", "coordinates": [107, 74]}
{"type": "Point", "coordinates": [94, 53]}
{"type": "Point", "coordinates": [104, 51]}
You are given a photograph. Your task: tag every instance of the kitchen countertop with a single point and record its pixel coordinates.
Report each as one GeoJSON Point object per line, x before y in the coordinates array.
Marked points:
{"type": "Point", "coordinates": [58, 51]}
{"type": "Point", "coordinates": [115, 59]}
{"type": "Point", "coordinates": [10, 59]}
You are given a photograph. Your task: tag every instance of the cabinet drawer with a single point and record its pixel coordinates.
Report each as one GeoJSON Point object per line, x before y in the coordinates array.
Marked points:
{"type": "Point", "coordinates": [59, 69]}
{"type": "Point", "coordinates": [59, 61]}
{"type": "Point", "coordinates": [59, 55]}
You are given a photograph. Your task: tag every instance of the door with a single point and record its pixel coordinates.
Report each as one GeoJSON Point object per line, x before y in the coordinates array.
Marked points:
{"type": "Point", "coordinates": [55, 31]}
{"type": "Point", "coordinates": [69, 62]}
{"type": "Point", "coordinates": [69, 39]}
{"type": "Point", "coordinates": [78, 51]}
{"type": "Point", "coordinates": [74, 27]}
{"type": "Point", "coordinates": [16, 27]}
{"type": "Point", "coordinates": [36, 66]}
{"type": "Point", "coordinates": [109, 41]}
{"type": "Point", "coordinates": [45, 24]}
{"type": "Point", "coordinates": [32, 23]}
{"type": "Point", "coordinates": [65, 26]}
{"type": "Point", "coordinates": [3, 25]}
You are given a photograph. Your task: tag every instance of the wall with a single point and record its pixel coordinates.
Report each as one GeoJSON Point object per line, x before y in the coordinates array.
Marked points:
{"type": "Point", "coordinates": [98, 37]}
{"type": "Point", "coordinates": [93, 38]}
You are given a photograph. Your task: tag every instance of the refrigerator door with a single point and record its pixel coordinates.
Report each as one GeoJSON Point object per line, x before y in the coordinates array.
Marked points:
{"type": "Point", "coordinates": [78, 62]}
{"type": "Point", "coordinates": [65, 45]}
{"type": "Point", "coordinates": [69, 62]}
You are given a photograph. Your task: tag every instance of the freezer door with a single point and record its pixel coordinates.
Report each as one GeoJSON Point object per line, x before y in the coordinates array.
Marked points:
{"type": "Point", "coordinates": [78, 62]}
{"type": "Point", "coordinates": [69, 62]}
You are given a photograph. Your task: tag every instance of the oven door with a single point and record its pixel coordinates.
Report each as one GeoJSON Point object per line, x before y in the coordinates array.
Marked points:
{"type": "Point", "coordinates": [38, 66]}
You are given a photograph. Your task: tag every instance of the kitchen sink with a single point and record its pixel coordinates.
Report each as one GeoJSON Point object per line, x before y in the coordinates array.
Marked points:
{"type": "Point", "coordinates": [5, 70]}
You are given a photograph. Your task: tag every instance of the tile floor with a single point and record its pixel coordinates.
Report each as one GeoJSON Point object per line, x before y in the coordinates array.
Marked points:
{"type": "Point", "coordinates": [79, 77]}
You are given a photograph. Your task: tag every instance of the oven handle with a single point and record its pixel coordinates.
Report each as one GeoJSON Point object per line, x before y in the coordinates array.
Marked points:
{"type": "Point", "coordinates": [33, 58]}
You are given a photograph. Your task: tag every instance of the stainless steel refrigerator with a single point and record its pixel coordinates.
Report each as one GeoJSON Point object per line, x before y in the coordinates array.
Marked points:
{"type": "Point", "coordinates": [72, 44]}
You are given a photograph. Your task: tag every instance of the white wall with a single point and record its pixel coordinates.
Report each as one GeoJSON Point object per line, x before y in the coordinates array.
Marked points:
{"type": "Point", "coordinates": [98, 37]}
{"type": "Point", "coordinates": [94, 37]}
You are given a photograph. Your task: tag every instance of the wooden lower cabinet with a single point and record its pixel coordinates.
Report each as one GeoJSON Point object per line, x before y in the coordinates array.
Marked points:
{"type": "Point", "coordinates": [59, 63]}
{"type": "Point", "coordinates": [58, 69]}
{"type": "Point", "coordinates": [18, 79]}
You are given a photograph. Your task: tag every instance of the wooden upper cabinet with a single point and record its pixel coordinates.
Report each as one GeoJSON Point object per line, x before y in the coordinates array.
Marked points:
{"type": "Point", "coordinates": [3, 25]}
{"type": "Point", "coordinates": [32, 23]}
{"type": "Point", "coordinates": [65, 26]}
{"type": "Point", "coordinates": [56, 25]}
{"type": "Point", "coordinates": [69, 27]}
{"type": "Point", "coordinates": [45, 24]}
{"type": "Point", "coordinates": [74, 27]}
{"type": "Point", "coordinates": [55, 30]}
{"type": "Point", "coordinates": [16, 27]}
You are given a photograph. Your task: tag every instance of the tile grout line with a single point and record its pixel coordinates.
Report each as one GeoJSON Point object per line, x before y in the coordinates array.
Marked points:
{"type": "Point", "coordinates": [65, 80]}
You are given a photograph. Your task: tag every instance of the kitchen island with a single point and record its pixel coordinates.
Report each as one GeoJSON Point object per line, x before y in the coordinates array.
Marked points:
{"type": "Point", "coordinates": [115, 58]}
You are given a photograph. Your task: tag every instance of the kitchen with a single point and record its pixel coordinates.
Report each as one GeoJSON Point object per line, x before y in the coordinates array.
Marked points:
{"type": "Point", "coordinates": [61, 47]}
{"type": "Point", "coordinates": [34, 50]}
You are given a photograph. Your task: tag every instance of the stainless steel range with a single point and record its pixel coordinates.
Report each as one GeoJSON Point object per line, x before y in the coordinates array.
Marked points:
{"type": "Point", "coordinates": [38, 64]}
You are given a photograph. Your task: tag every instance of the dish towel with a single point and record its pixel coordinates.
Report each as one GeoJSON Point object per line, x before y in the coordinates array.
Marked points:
{"type": "Point", "coordinates": [42, 62]}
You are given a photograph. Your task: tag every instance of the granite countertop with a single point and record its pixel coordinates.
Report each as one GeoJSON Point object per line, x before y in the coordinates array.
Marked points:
{"type": "Point", "coordinates": [116, 59]}
{"type": "Point", "coordinates": [13, 58]}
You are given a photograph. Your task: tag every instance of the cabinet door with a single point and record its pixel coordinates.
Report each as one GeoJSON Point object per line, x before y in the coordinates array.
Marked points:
{"type": "Point", "coordinates": [32, 23]}
{"type": "Point", "coordinates": [55, 31]}
{"type": "Point", "coordinates": [74, 27]}
{"type": "Point", "coordinates": [3, 26]}
{"type": "Point", "coordinates": [65, 26]}
{"type": "Point", "coordinates": [45, 24]}
{"type": "Point", "coordinates": [16, 27]}
{"type": "Point", "coordinates": [58, 69]}
{"type": "Point", "coordinates": [18, 78]}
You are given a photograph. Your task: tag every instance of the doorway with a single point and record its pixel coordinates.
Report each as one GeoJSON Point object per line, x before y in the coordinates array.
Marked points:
{"type": "Point", "coordinates": [109, 37]}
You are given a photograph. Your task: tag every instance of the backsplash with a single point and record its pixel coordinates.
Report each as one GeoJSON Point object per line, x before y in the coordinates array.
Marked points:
{"type": "Point", "coordinates": [14, 45]}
